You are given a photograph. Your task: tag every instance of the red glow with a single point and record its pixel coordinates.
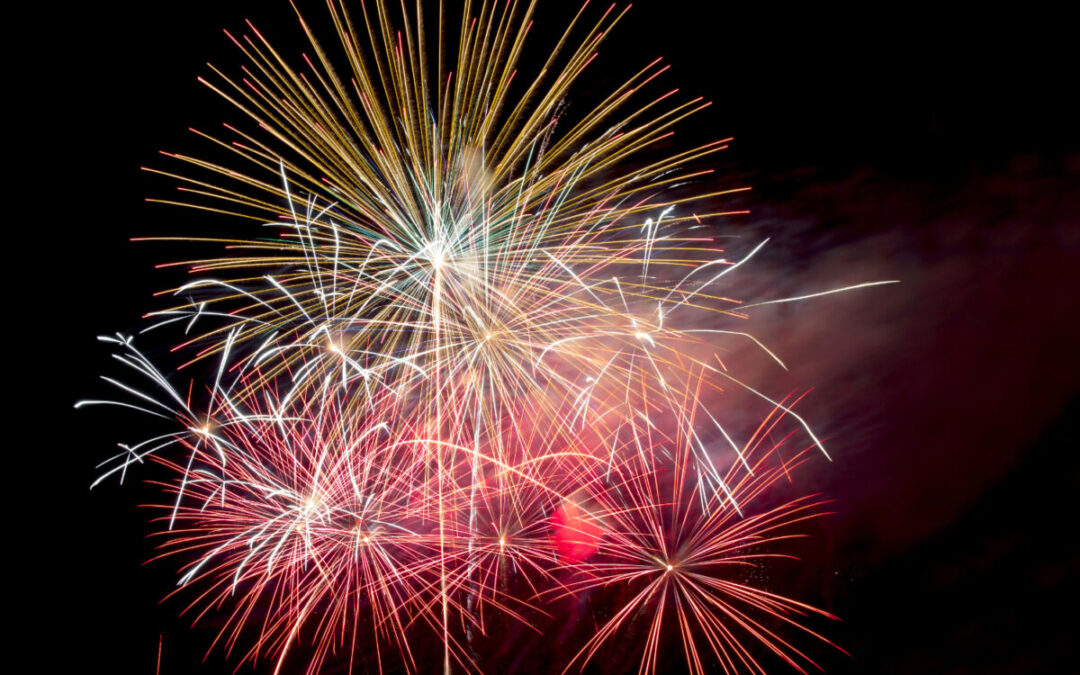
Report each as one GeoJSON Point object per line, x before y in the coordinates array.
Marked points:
{"type": "Point", "coordinates": [574, 537]}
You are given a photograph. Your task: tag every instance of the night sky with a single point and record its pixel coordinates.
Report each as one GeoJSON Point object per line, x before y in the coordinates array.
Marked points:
{"type": "Point", "coordinates": [895, 143]}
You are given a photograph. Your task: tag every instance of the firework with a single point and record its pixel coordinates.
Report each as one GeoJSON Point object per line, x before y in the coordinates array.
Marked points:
{"type": "Point", "coordinates": [469, 364]}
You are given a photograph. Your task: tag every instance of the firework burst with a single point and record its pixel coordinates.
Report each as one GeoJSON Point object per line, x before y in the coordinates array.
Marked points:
{"type": "Point", "coordinates": [469, 365]}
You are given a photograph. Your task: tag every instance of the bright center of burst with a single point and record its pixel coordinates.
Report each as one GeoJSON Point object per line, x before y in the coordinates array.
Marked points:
{"type": "Point", "coordinates": [437, 255]}
{"type": "Point", "coordinates": [670, 567]}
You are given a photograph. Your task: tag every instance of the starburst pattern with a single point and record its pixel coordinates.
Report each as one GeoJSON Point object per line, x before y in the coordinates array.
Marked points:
{"type": "Point", "coordinates": [473, 368]}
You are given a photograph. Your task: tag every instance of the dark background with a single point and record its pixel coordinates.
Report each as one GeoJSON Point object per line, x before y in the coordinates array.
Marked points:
{"type": "Point", "coordinates": [903, 142]}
